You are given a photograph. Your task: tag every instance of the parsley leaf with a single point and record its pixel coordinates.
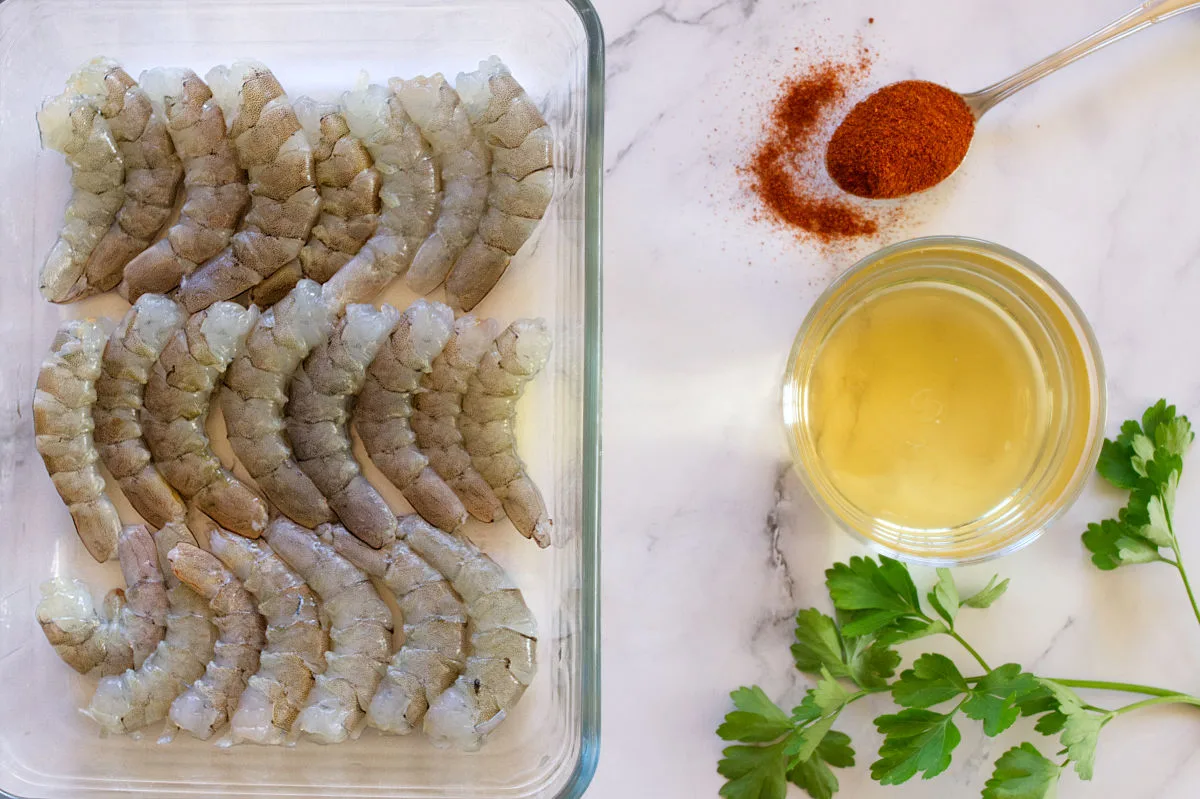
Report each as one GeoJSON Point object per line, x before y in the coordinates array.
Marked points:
{"type": "Point", "coordinates": [1115, 464]}
{"type": "Point", "coordinates": [871, 595]}
{"type": "Point", "coordinates": [1080, 728]}
{"type": "Point", "coordinates": [944, 596]}
{"type": "Point", "coordinates": [933, 679]}
{"type": "Point", "coordinates": [756, 720]}
{"type": "Point", "coordinates": [872, 663]}
{"type": "Point", "coordinates": [814, 774]}
{"type": "Point", "coordinates": [1022, 773]}
{"type": "Point", "coordinates": [1114, 543]}
{"type": "Point", "coordinates": [818, 712]}
{"type": "Point", "coordinates": [984, 599]}
{"type": "Point", "coordinates": [996, 699]}
{"type": "Point", "coordinates": [754, 772]}
{"type": "Point", "coordinates": [915, 741]}
{"type": "Point", "coordinates": [818, 644]}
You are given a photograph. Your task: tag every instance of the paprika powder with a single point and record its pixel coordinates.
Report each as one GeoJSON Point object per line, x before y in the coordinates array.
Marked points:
{"type": "Point", "coordinates": [904, 138]}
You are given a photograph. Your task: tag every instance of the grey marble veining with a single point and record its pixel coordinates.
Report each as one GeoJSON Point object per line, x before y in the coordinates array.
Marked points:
{"type": "Point", "coordinates": [710, 542]}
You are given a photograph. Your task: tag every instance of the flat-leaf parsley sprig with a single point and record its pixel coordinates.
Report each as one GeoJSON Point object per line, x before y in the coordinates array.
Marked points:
{"type": "Point", "coordinates": [877, 606]}
{"type": "Point", "coordinates": [1146, 460]}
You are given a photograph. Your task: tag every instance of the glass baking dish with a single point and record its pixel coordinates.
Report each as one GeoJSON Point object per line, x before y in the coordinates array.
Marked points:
{"type": "Point", "coordinates": [549, 746]}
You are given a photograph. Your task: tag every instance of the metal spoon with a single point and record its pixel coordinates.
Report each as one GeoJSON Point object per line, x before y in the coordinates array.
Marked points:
{"type": "Point", "coordinates": [1143, 16]}
{"type": "Point", "coordinates": [907, 167]}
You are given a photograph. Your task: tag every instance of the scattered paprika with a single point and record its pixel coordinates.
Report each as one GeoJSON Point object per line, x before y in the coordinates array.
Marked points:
{"type": "Point", "coordinates": [784, 170]}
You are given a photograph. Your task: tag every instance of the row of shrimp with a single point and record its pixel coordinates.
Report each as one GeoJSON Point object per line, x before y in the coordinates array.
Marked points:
{"type": "Point", "coordinates": [433, 400]}
{"type": "Point", "coordinates": [417, 180]}
{"type": "Point", "coordinates": [286, 637]}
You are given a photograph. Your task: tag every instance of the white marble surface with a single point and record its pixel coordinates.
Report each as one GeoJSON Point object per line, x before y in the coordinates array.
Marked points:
{"type": "Point", "coordinates": [707, 550]}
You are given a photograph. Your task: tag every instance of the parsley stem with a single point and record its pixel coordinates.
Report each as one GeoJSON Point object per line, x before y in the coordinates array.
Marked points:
{"type": "Point", "coordinates": [1126, 687]}
{"type": "Point", "coordinates": [1186, 583]}
{"type": "Point", "coordinates": [1178, 699]}
{"type": "Point", "coordinates": [978, 658]}
{"type": "Point", "coordinates": [1178, 564]}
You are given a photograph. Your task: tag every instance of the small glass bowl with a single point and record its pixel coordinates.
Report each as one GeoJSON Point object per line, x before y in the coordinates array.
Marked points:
{"type": "Point", "coordinates": [1064, 348]}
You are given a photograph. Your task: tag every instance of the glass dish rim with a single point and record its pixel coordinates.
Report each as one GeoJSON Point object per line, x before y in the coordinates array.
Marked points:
{"type": "Point", "coordinates": [587, 761]}
{"type": "Point", "coordinates": [589, 753]}
{"type": "Point", "coordinates": [1088, 343]}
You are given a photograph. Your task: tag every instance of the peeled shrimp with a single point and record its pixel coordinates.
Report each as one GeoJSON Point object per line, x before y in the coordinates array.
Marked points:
{"type": "Point", "coordinates": [152, 169]}
{"type": "Point", "coordinates": [435, 633]}
{"type": "Point", "coordinates": [349, 186]}
{"type": "Point", "coordinates": [62, 424]}
{"type": "Point", "coordinates": [256, 390]}
{"type": "Point", "coordinates": [360, 627]}
{"type": "Point", "coordinates": [489, 409]}
{"type": "Point", "coordinates": [72, 124]}
{"type": "Point", "coordinates": [318, 414]}
{"type": "Point", "coordinates": [438, 407]}
{"type": "Point", "coordinates": [177, 399]}
{"type": "Point", "coordinates": [214, 185]}
{"type": "Point", "coordinates": [131, 622]}
{"type": "Point", "coordinates": [284, 202]}
{"type": "Point", "coordinates": [464, 163]}
{"type": "Point", "coordinates": [296, 642]}
{"type": "Point", "coordinates": [503, 644]}
{"type": "Point", "coordinates": [141, 696]}
{"type": "Point", "coordinates": [212, 699]}
{"type": "Point", "coordinates": [522, 148]}
{"type": "Point", "coordinates": [385, 406]}
{"type": "Point", "coordinates": [129, 359]}
{"type": "Point", "coordinates": [409, 193]}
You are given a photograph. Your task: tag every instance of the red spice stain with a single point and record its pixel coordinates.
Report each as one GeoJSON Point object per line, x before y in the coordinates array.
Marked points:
{"type": "Point", "coordinates": [785, 170]}
{"type": "Point", "coordinates": [870, 20]}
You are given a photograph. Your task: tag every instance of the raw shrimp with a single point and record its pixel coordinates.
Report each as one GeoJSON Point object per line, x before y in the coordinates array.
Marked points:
{"type": "Point", "coordinates": [318, 415]}
{"type": "Point", "coordinates": [72, 124]}
{"type": "Point", "coordinates": [438, 407]}
{"type": "Point", "coordinates": [360, 625]}
{"type": "Point", "coordinates": [503, 644]}
{"type": "Point", "coordinates": [129, 701]}
{"type": "Point", "coordinates": [464, 163]}
{"type": "Point", "coordinates": [212, 699]}
{"type": "Point", "coordinates": [215, 192]}
{"type": "Point", "coordinates": [435, 633]}
{"type": "Point", "coordinates": [131, 622]}
{"type": "Point", "coordinates": [256, 390]}
{"type": "Point", "coordinates": [62, 424]}
{"type": "Point", "coordinates": [349, 185]}
{"type": "Point", "coordinates": [296, 642]}
{"type": "Point", "coordinates": [408, 193]}
{"type": "Point", "coordinates": [385, 405]}
{"type": "Point", "coordinates": [522, 184]}
{"type": "Point", "coordinates": [284, 202]}
{"type": "Point", "coordinates": [129, 359]}
{"type": "Point", "coordinates": [489, 410]}
{"type": "Point", "coordinates": [177, 400]}
{"type": "Point", "coordinates": [152, 169]}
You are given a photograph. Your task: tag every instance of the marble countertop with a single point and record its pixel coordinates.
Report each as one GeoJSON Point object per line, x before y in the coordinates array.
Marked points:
{"type": "Point", "coordinates": [710, 543]}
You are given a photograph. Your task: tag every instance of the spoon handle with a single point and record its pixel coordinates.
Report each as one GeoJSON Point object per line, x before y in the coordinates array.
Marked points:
{"type": "Point", "coordinates": [1143, 16]}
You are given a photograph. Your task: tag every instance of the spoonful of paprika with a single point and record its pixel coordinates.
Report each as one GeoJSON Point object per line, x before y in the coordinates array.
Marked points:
{"type": "Point", "coordinates": [912, 135]}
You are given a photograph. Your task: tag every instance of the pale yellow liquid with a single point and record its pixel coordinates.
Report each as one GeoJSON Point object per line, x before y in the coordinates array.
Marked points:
{"type": "Point", "coordinates": [926, 406]}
